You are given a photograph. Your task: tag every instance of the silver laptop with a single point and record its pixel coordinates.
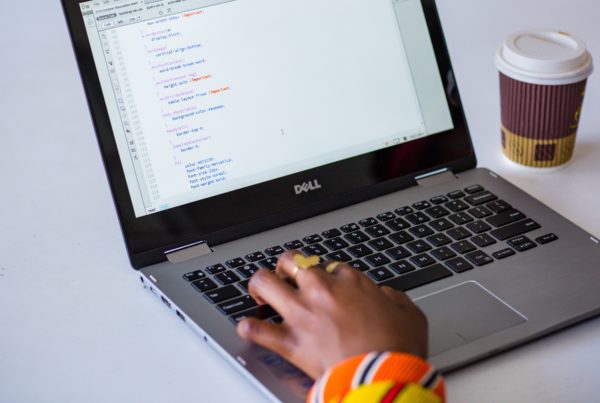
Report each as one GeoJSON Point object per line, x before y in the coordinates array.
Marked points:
{"type": "Point", "coordinates": [232, 131]}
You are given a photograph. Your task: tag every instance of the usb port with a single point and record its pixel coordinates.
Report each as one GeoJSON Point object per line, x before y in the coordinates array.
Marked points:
{"type": "Point", "coordinates": [167, 303]}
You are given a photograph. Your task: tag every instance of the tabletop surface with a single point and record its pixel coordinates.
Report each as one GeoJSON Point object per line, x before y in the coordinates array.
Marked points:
{"type": "Point", "coordinates": [75, 325]}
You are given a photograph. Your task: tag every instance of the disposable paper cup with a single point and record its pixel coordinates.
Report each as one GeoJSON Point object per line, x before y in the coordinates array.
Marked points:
{"type": "Point", "coordinates": [543, 75]}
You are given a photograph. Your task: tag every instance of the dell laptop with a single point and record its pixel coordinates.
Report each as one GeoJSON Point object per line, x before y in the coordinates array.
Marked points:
{"type": "Point", "coordinates": [233, 130]}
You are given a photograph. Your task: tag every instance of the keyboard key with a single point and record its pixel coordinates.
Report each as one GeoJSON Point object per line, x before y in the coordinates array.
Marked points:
{"type": "Point", "coordinates": [227, 277]}
{"type": "Point", "coordinates": [422, 260]}
{"type": "Point", "coordinates": [398, 253]}
{"type": "Point", "coordinates": [478, 227]}
{"type": "Point", "coordinates": [255, 257]}
{"type": "Point", "coordinates": [248, 270]}
{"type": "Point", "coordinates": [480, 198]}
{"type": "Point", "coordinates": [386, 216]}
{"type": "Point", "coordinates": [204, 285]}
{"type": "Point", "coordinates": [293, 245]}
{"type": "Point", "coordinates": [349, 228]}
{"type": "Point", "coordinates": [443, 253]}
{"type": "Point", "coordinates": [418, 278]}
{"type": "Point", "coordinates": [474, 189]}
{"type": "Point", "coordinates": [459, 265]}
{"type": "Point", "coordinates": [417, 218]}
{"type": "Point", "coordinates": [314, 250]}
{"type": "Point", "coordinates": [457, 194]}
{"type": "Point", "coordinates": [237, 305]}
{"type": "Point", "coordinates": [463, 247]}
{"type": "Point", "coordinates": [480, 212]}
{"type": "Point", "coordinates": [459, 233]}
{"type": "Point", "coordinates": [331, 233]}
{"type": "Point", "coordinates": [216, 268]}
{"type": "Point", "coordinates": [380, 244]}
{"type": "Point", "coordinates": [522, 243]}
{"type": "Point", "coordinates": [359, 250]}
{"type": "Point", "coordinates": [339, 256]}
{"type": "Point", "coordinates": [421, 231]}
{"type": "Point", "coordinates": [401, 237]}
{"type": "Point", "coordinates": [222, 294]}
{"type": "Point", "coordinates": [437, 212]}
{"type": "Point", "coordinates": [367, 222]}
{"type": "Point", "coordinates": [274, 250]}
{"type": "Point", "coordinates": [504, 253]}
{"type": "Point", "coordinates": [404, 210]}
{"type": "Point", "coordinates": [380, 274]}
{"type": "Point", "coordinates": [498, 206]}
{"type": "Point", "coordinates": [335, 244]}
{"type": "Point", "coordinates": [377, 230]}
{"type": "Point", "coordinates": [506, 217]}
{"type": "Point", "coordinates": [195, 275]}
{"type": "Point", "coordinates": [269, 263]}
{"type": "Point", "coordinates": [397, 224]}
{"type": "Point", "coordinates": [357, 237]}
{"type": "Point", "coordinates": [243, 285]}
{"type": "Point", "coordinates": [516, 229]}
{"type": "Point", "coordinates": [461, 218]}
{"type": "Point", "coordinates": [438, 199]}
{"type": "Point", "coordinates": [312, 239]}
{"type": "Point", "coordinates": [422, 205]}
{"type": "Point", "coordinates": [233, 263]}
{"type": "Point", "coordinates": [359, 265]}
{"type": "Point", "coordinates": [418, 246]}
{"type": "Point", "coordinates": [483, 240]}
{"type": "Point", "coordinates": [479, 258]}
{"type": "Point", "coordinates": [441, 225]}
{"type": "Point", "coordinates": [456, 205]}
{"type": "Point", "coordinates": [261, 312]}
{"type": "Point", "coordinates": [544, 239]}
{"type": "Point", "coordinates": [439, 240]}
{"type": "Point", "coordinates": [402, 267]}
{"type": "Point", "coordinates": [377, 260]}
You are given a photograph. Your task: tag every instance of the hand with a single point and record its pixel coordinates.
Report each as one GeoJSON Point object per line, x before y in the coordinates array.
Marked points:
{"type": "Point", "coordinates": [331, 317]}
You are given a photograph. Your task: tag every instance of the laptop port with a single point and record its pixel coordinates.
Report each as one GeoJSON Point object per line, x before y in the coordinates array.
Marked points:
{"type": "Point", "coordinates": [180, 315]}
{"type": "Point", "coordinates": [167, 303]}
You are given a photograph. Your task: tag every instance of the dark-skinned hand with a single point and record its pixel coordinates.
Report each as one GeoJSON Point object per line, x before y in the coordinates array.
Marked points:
{"type": "Point", "coordinates": [329, 317]}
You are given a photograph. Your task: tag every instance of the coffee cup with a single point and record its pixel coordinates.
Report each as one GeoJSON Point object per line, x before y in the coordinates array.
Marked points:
{"type": "Point", "coordinates": [543, 76]}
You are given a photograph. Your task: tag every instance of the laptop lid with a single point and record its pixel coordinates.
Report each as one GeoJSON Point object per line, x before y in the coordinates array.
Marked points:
{"type": "Point", "coordinates": [219, 119]}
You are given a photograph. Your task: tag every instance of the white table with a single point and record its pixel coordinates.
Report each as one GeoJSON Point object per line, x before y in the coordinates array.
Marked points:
{"type": "Point", "coordinates": [74, 322]}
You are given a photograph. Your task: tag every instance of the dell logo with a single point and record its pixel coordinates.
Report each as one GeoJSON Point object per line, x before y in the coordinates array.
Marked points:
{"type": "Point", "coordinates": [307, 187]}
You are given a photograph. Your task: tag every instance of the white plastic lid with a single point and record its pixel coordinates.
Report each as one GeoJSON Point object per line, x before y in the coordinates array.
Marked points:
{"type": "Point", "coordinates": [544, 57]}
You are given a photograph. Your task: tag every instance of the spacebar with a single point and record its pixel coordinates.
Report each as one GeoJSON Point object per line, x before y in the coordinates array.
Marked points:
{"type": "Point", "coordinates": [418, 278]}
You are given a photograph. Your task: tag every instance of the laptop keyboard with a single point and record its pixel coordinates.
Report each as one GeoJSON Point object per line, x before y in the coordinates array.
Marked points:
{"type": "Point", "coordinates": [404, 249]}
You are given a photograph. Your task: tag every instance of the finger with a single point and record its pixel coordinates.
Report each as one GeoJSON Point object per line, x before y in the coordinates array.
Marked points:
{"type": "Point", "coordinates": [269, 335]}
{"type": "Point", "coordinates": [292, 265]}
{"type": "Point", "coordinates": [266, 288]}
{"type": "Point", "coordinates": [396, 296]}
{"type": "Point", "coordinates": [334, 267]}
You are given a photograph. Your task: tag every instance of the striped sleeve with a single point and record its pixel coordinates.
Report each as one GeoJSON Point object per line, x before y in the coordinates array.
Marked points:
{"type": "Point", "coordinates": [380, 377]}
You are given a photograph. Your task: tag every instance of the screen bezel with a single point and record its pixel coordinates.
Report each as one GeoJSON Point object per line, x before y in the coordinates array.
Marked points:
{"type": "Point", "coordinates": [270, 204]}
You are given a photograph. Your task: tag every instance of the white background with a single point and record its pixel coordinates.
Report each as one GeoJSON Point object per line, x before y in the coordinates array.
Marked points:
{"type": "Point", "coordinates": [76, 326]}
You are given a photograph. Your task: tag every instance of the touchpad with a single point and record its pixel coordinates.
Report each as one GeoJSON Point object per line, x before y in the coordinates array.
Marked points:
{"type": "Point", "coordinates": [465, 313]}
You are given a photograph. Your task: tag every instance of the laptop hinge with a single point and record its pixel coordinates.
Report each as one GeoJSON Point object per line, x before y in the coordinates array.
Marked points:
{"type": "Point", "coordinates": [188, 252]}
{"type": "Point", "coordinates": [435, 178]}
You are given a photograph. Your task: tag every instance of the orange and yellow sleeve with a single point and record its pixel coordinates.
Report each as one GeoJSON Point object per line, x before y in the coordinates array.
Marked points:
{"type": "Point", "coordinates": [380, 377]}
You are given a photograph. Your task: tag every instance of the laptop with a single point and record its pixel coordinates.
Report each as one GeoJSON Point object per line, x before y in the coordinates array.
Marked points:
{"type": "Point", "coordinates": [232, 131]}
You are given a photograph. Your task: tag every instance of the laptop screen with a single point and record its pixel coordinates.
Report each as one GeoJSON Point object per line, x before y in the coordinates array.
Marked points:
{"type": "Point", "coordinates": [207, 97]}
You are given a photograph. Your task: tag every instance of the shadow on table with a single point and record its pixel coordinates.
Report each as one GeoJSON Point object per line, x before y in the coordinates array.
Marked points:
{"type": "Point", "coordinates": [586, 151]}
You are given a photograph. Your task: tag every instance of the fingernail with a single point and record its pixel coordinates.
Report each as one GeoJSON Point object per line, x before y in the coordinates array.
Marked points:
{"type": "Point", "coordinates": [244, 327]}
